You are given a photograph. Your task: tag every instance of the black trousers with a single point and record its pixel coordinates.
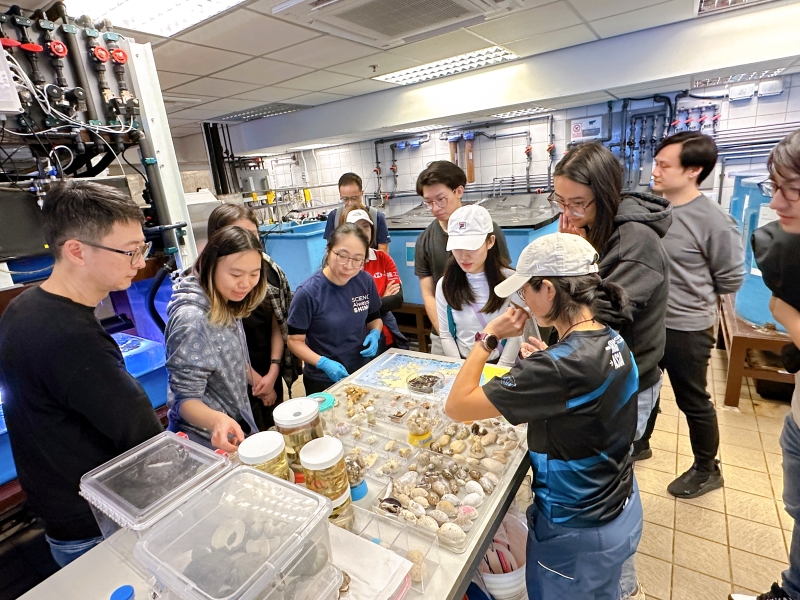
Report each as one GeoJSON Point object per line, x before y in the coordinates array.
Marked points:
{"type": "Point", "coordinates": [686, 357]}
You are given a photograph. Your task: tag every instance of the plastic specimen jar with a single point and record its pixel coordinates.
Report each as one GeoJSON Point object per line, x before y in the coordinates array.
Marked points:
{"type": "Point", "coordinates": [325, 471]}
{"type": "Point", "coordinates": [298, 420]}
{"type": "Point", "coordinates": [266, 451]}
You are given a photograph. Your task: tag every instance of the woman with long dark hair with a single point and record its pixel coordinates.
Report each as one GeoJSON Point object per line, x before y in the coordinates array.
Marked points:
{"type": "Point", "coordinates": [335, 318]}
{"type": "Point", "coordinates": [465, 298]}
{"type": "Point", "coordinates": [578, 398]}
{"type": "Point", "coordinates": [207, 358]}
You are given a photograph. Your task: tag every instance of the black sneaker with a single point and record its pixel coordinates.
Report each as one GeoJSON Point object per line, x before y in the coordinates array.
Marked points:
{"type": "Point", "coordinates": [695, 483]}
{"type": "Point", "coordinates": [775, 593]}
{"type": "Point", "coordinates": [641, 452]}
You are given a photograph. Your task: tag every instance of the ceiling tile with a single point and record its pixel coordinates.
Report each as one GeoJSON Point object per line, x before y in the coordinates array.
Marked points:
{"type": "Point", "coordinates": [645, 18]}
{"type": "Point", "coordinates": [365, 86]}
{"type": "Point", "coordinates": [181, 57]}
{"type": "Point", "coordinates": [175, 122]}
{"type": "Point", "coordinates": [177, 102]}
{"type": "Point", "coordinates": [322, 52]}
{"type": "Point", "coordinates": [442, 46]}
{"type": "Point", "coordinates": [527, 23]}
{"type": "Point", "coordinates": [592, 10]}
{"type": "Point", "coordinates": [179, 132]}
{"type": "Point", "coordinates": [211, 86]}
{"type": "Point", "coordinates": [267, 94]}
{"type": "Point", "coordinates": [168, 79]}
{"type": "Point", "coordinates": [385, 61]}
{"type": "Point", "coordinates": [197, 114]}
{"type": "Point", "coordinates": [315, 98]}
{"type": "Point", "coordinates": [264, 6]}
{"type": "Point", "coordinates": [263, 71]}
{"type": "Point", "coordinates": [317, 81]}
{"type": "Point", "coordinates": [230, 104]}
{"type": "Point", "coordinates": [248, 32]}
{"type": "Point", "coordinates": [552, 40]}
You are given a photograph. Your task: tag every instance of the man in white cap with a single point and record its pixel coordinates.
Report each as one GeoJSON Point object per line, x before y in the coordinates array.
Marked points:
{"type": "Point", "coordinates": [578, 398]}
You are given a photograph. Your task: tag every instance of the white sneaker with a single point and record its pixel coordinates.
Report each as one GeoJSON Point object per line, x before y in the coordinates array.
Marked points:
{"type": "Point", "coordinates": [639, 595]}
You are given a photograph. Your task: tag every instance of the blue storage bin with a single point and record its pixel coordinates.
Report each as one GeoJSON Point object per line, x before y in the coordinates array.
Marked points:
{"type": "Point", "coordinates": [297, 249]}
{"type": "Point", "coordinates": [8, 471]}
{"type": "Point", "coordinates": [145, 360]}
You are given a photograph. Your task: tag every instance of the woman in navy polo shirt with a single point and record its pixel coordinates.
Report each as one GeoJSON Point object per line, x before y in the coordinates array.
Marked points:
{"type": "Point", "coordinates": [334, 320]}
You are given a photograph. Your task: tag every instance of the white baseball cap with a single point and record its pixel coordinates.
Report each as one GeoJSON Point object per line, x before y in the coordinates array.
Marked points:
{"type": "Point", "coordinates": [552, 255]}
{"type": "Point", "coordinates": [354, 216]}
{"type": "Point", "coordinates": [468, 227]}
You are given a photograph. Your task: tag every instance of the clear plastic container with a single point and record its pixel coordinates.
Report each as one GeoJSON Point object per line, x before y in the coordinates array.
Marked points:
{"type": "Point", "coordinates": [299, 422]}
{"type": "Point", "coordinates": [247, 536]}
{"type": "Point", "coordinates": [141, 486]}
{"type": "Point", "coordinates": [266, 451]}
{"type": "Point", "coordinates": [325, 471]}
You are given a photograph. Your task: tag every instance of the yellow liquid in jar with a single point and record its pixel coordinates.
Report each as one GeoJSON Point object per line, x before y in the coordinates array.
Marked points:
{"type": "Point", "coordinates": [278, 466]}
{"type": "Point", "coordinates": [296, 438]}
{"type": "Point", "coordinates": [331, 482]}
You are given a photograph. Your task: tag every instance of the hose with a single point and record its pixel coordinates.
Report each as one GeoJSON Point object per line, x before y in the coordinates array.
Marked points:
{"type": "Point", "coordinates": [150, 299]}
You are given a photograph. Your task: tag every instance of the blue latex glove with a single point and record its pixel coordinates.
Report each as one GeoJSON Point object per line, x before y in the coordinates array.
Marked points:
{"type": "Point", "coordinates": [371, 343]}
{"type": "Point", "coordinates": [334, 370]}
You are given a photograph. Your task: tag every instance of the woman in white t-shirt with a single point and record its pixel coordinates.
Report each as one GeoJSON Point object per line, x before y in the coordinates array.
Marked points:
{"type": "Point", "coordinates": [465, 298]}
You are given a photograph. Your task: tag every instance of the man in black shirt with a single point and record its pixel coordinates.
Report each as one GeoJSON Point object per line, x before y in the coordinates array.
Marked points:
{"type": "Point", "coordinates": [69, 403]}
{"type": "Point", "coordinates": [441, 186]}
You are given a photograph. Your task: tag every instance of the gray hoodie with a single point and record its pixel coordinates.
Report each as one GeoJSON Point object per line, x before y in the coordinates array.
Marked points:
{"type": "Point", "coordinates": [204, 362]}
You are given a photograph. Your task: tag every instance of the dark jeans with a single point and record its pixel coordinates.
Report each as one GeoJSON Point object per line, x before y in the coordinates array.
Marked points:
{"type": "Point", "coordinates": [686, 357]}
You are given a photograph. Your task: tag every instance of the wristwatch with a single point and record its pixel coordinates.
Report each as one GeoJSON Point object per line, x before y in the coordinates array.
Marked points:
{"type": "Point", "coordinates": [489, 340]}
{"type": "Point", "coordinates": [275, 361]}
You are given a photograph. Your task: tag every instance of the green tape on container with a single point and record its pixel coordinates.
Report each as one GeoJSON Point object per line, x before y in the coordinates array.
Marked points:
{"type": "Point", "coordinates": [149, 160]}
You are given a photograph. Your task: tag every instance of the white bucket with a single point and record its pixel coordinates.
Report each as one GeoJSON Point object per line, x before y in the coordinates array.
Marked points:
{"type": "Point", "coordinates": [508, 586]}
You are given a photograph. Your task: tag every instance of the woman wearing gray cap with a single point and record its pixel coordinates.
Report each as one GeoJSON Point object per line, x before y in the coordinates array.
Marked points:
{"type": "Point", "coordinates": [578, 398]}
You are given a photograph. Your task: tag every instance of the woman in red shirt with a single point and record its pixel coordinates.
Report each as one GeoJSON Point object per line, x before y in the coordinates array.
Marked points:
{"type": "Point", "coordinates": [384, 272]}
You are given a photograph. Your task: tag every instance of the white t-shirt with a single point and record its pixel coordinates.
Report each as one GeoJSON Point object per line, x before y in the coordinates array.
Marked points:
{"type": "Point", "coordinates": [468, 323]}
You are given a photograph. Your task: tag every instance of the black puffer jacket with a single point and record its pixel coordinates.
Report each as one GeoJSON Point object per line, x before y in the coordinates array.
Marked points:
{"type": "Point", "coordinates": [635, 259]}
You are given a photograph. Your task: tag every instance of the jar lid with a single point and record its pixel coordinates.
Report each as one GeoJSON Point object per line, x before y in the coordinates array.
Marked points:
{"type": "Point", "coordinates": [298, 411]}
{"type": "Point", "coordinates": [370, 409]}
{"type": "Point", "coordinates": [261, 447]}
{"type": "Point", "coordinates": [126, 592]}
{"type": "Point", "coordinates": [324, 399]}
{"type": "Point", "coordinates": [359, 491]}
{"type": "Point", "coordinates": [321, 453]}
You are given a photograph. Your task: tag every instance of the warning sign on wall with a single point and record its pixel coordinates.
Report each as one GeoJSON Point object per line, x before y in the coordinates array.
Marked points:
{"type": "Point", "coordinates": [589, 128]}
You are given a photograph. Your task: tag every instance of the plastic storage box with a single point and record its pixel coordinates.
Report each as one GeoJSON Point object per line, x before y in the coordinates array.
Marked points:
{"type": "Point", "coordinates": [247, 536]}
{"type": "Point", "coordinates": [138, 488]}
{"type": "Point", "coordinates": [145, 360]}
{"type": "Point", "coordinates": [298, 249]}
{"type": "Point", "coordinates": [8, 470]}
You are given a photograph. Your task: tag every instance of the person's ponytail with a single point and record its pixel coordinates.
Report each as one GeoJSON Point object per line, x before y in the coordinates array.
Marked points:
{"type": "Point", "coordinates": [616, 295]}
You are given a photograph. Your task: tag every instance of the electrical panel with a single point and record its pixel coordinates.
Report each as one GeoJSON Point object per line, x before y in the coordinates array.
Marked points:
{"type": "Point", "coordinates": [586, 129]}
{"type": "Point", "coordinates": [770, 87]}
{"type": "Point", "coordinates": [742, 92]}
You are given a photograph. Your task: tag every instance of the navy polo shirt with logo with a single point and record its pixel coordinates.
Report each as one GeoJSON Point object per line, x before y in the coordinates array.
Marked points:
{"type": "Point", "coordinates": [334, 319]}
{"type": "Point", "coordinates": [578, 398]}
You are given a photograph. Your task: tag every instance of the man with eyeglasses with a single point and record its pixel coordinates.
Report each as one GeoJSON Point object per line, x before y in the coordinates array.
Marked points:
{"type": "Point", "coordinates": [351, 193]}
{"type": "Point", "coordinates": [706, 260]}
{"type": "Point", "coordinates": [69, 403]}
{"type": "Point", "coordinates": [776, 247]}
{"type": "Point", "coordinates": [441, 186]}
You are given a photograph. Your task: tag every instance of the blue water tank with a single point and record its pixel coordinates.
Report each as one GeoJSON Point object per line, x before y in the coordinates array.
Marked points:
{"type": "Point", "coordinates": [297, 249]}
{"type": "Point", "coordinates": [145, 360]}
{"type": "Point", "coordinates": [751, 210]}
{"type": "Point", "coordinates": [8, 470]}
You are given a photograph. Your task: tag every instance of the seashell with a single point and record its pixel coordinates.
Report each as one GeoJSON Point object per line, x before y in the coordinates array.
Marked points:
{"type": "Point", "coordinates": [416, 508]}
{"type": "Point", "coordinates": [502, 439]}
{"type": "Point", "coordinates": [416, 556]}
{"type": "Point", "coordinates": [391, 505]}
{"type": "Point", "coordinates": [489, 439]}
{"type": "Point", "coordinates": [451, 429]}
{"type": "Point", "coordinates": [487, 485]}
{"type": "Point", "coordinates": [473, 487]}
{"type": "Point", "coordinates": [423, 460]}
{"type": "Point", "coordinates": [452, 499]}
{"type": "Point", "coordinates": [390, 467]}
{"type": "Point", "coordinates": [500, 456]}
{"type": "Point", "coordinates": [470, 512]}
{"type": "Point", "coordinates": [435, 447]}
{"type": "Point", "coordinates": [461, 482]}
{"type": "Point", "coordinates": [473, 439]}
{"type": "Point", "coordinates": [418, 572]}
{"type": "Point", "coordinates": [357, 433]}
{"type": "Point", "coordinates": [509, 446]}
{"type": "Point", "coordinates": [447, 508]}
{"type": "Point", "coordinates": [390, 446]}
{"type": "Point", "coordinates": [437, 460]}
{"type": "Point", "coordinates": [444, 440]}
{"type": "Point", "coordinates": [477, 450]}
{"type": "Point", "coordinates": [370, 459]}
{"type": "Point", "coordinates": [464, 522]}
{"type": "Point", "coordinates": [472, 500]}
{"type": "Point", "coordinates": [448, 475]}
{"type": "Point", "coordinates": [424, 485]}
{"type": "Point", "coordinates": [407, 515]}
{"type": "Point", "coordinates": [438, 516]}
{"type": "Point", "coordinates": [423, 500]}
{"type": "Point", "coordinates": [452, 533]}
{"type": "Point", "coordinates": [493, 465]}
{"type": "Point", "coordinates": [454, 487]}
{"type": "Point", "coordinates": [433, 498]}
{"type": "Point", "coordinates": [404, 500]}
{"type": "Point", "coordinates": [440, 488]}
{"type": "Point", "coordinates": [451, 465]}
{"type": "Point", "coordinates": [404, 452]}
{"type": "Point", "coordinates": [462, 433]}
{"type": "Point", "coordinates": [231, 535]}
{"type": "Point", "coordinates": [417, 492]}
{"type": "Point", "coordinates": [473, 461]}
{"type": "Point", "coordinates": [372, 439]}
{"type": "Point", "coordinates": [512, 435]}
{"type": "Point", "coordinates": [413, 467]}
{"type": "Point", "coordinates": [458, 446]}
{"type": "Point", "coordinates": [493, 478]}
{"type": "Point", "coordinates": [475, 428]}
{"type": "Point", "coordinates": [429, 523]}
{"type": "Point", "coordinates": [473, 474]}
{"type": "Point", "coordinates": [342, 428]}
{"type": "Point", "coordinates": [447, 451]}
{"type": "Point", "coordinates": [483, 431]}
{"type": "Point", "coordinates": [459, 458]}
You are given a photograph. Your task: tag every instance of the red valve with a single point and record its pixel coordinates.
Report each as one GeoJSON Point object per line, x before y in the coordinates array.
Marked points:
{"type": "Point", "coordinates": [181, 434]}
{"type": "Point", "coordinates": [118, 56]}
{"type": "Point", "coordinates": [221, 452]}
{"type": "Point", "coordinates": [689, 120]}
{"type": "Point", "coordinates": [702, 119]}
{"type": "Point", "coordinates": [716, 117]}
{"type": "Point", "coordinates": [393, 168]}
{"type": "Point", "coordinates": [57, 49]}
{"type": "Point", "coordinates": [676, 123]}
{"type": "Point", "coordinates": [100, 54]}
{"type": "Point", "coordinates": [32, 47]}
{"type": "Point", "coordinates": [9, 43]}
{"type": "Point", "coordinates": [528, 150]}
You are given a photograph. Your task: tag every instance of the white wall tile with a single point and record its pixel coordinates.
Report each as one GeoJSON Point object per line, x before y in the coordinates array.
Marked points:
{"type": "Point", "coordinates": [504, 170]}
{"type": "Point", "coordinates": [486, 175]}
{"type": "Point", "coordinates": [504, 155]}
{"type": "Point", "coordinates": [505, 142]}
{"type": "Point", "coordinates": [793, 117]}
{"type": "Point", "coordinates": [743, 108]}
{"type": "Point", "coordinates": [518, 169]}
{"type": "Point", "coordinates": [770, 105]}
{"type": "Point", "coordinates": [739, 123]}
{"type": "Point", "coordinates": [577, 112]}
{"type": "Point", "coordinates": [770, 119]}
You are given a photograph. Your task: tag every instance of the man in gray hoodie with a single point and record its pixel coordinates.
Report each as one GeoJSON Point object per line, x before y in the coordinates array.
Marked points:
{"type": "Point", "coordinates": [706, 260]}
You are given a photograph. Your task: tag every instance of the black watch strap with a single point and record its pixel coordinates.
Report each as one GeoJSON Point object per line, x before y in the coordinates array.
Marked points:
{"type": "Point", "coordinates": [276, 361]}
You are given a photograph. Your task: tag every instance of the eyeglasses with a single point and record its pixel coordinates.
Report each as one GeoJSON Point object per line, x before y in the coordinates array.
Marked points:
{"type": "Point", "coordinates": [770, 188]}
{"type": "Point", "coordinates": [576, 208]}
{"type": "Point", "coordinates": [136, 255]}
{"type": "Point", "coordinates": [350, 199]}
{"type": "Point", "coordinates": [343, 259]}
{"type": "Point", "coordinates": [440, 202]}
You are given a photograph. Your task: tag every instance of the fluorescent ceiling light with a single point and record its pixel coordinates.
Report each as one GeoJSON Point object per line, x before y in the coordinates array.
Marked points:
{"type": "Point", "coordinates": [754, 76]}
{"type": "Point", "coordinates": [420, 129]}
{"type": "Point", "coordinates": [157, 17]}
{"type": "Point", "coordinates": [714, 6]}
{"type": "Point", "coordinates": [523, 112]}
{"type": "Point", "coordinates": [450, 66]}
{"type": "Point", "coordinates": [259, 112]}
{"type": "Point", "coordinates": [312, 147]}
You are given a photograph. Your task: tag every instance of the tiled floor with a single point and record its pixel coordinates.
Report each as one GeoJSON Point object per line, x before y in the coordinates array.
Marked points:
{"type": "Point", "coordinates": [732, 539]}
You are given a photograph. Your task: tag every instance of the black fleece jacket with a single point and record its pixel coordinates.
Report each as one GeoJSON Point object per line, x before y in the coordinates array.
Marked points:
{"type": "Point", "coordinates": [634, 258]}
